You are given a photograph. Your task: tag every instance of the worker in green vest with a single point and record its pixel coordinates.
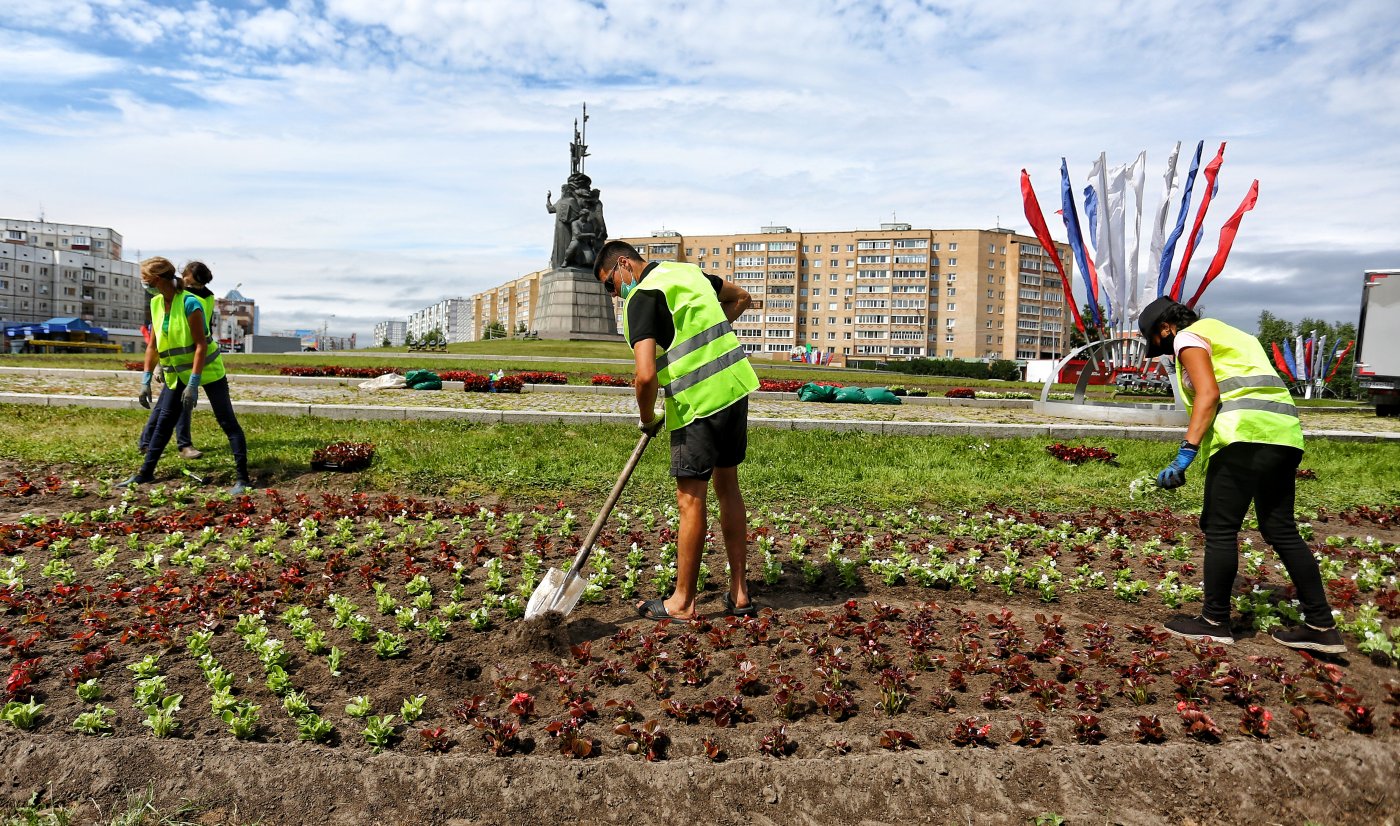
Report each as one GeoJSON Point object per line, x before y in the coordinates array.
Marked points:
{"type": "Point", "coordinates": [180, 344]}
{"type": "Point", "coordinates": [195, 278]}
{"type": "Point", "coordinates": [677, 321]}
{"type": "Point", "coordinates": [1245, 425]}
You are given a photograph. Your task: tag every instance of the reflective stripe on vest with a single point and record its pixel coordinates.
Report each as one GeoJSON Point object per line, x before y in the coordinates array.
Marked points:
{"type": "Point", "coordinates": [175, 342]}
{"type": "Point", "coordinates": [705, 369]}
{"type": "Point", "coordinates": [1255, 405]}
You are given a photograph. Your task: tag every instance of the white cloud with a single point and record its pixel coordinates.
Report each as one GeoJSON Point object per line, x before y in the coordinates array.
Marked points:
{"type": "Point", "coordinates": [26, 58]}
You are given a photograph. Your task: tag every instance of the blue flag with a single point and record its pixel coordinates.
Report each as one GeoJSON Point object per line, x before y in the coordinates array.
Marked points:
{"type": "Point", "coordinates": [1076, 239]}
{"type": "Point", "coordinates": [1169, 250]}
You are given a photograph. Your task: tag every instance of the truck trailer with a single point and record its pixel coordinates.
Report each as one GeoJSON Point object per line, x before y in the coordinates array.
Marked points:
{"type": "Point", "coordinates": [1378, 340]}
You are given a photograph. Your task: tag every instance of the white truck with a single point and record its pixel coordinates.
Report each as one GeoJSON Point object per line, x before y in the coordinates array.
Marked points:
{"type": "Point", "coordinates": [1378, 340]}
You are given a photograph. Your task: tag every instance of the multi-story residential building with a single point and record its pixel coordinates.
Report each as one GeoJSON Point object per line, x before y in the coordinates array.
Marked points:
{"type": "Point", "coordinates": [391, 331]}
{"type": "Point", "coordinates": [68, 271]}
{"type": "Point", "coordinates": [235, 318]}
{"type": "Point", "coordinates": [512, 305]}
{"type": "Point", "coordinates": [892, 293]}
{"type": "Point", "coordinates": [451, 316]}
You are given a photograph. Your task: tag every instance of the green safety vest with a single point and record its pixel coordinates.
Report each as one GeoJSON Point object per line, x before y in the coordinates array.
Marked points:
{"type": "Point", "coordinates": [175, 343]}
{"type": "Point", "coordinates": [1255, 405]}
{"type": "Point", "coordinates": [705, 370]}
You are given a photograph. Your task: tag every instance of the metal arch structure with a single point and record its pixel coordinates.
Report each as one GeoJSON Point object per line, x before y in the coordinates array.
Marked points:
{"type": "Point", "coordinates": [1105, 353]}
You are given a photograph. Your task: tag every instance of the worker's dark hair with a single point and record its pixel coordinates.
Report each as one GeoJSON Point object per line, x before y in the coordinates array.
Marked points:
{"type": "Point", "coordinates": [1179, 315]}
{"type": "Point", "coordinates": [196, 272]}
{"type": "Point", "coordinates": [609, 255]}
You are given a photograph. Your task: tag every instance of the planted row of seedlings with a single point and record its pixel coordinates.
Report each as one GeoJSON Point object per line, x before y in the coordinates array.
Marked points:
{"type": "Point", "coordinates": [161, 570]}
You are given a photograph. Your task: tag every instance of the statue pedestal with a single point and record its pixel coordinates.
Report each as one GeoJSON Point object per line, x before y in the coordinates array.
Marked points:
{"type": "Point", "coordinates": [573, 306]}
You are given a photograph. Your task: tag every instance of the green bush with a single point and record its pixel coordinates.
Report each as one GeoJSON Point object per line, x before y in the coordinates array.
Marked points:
{"type": "Point", "coordinates": [1004, 369]}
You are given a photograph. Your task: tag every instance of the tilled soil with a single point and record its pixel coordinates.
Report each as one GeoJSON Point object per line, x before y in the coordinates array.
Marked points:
{"type": "Point", "coordinates": [823, 667]}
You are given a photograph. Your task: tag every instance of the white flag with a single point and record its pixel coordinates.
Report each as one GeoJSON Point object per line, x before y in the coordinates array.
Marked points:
{"type": "Point", "coordinates": [1136, 173]}
{"type": "Point", "coordinates": [1159, 229]}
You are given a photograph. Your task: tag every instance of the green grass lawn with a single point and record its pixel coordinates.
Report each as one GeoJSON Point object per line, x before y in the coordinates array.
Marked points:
{"type": "Point", "coordinates": [549, 352]}
{"type": "Point", "coordinates": [579, 463]}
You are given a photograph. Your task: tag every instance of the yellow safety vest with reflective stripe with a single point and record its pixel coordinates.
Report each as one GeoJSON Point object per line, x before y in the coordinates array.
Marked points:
{"type": "Point", "coordinates": [1255, 405]}
{"type": "Point", "coordinates": [705, 369]}
{"type": "Point", "coordinates": [175, 342]}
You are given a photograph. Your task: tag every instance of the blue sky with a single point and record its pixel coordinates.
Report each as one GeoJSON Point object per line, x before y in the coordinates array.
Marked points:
{"type": "Point", "coordinates": [368, 157]}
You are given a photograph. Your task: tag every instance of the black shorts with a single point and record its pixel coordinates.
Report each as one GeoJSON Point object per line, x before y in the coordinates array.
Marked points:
{"type": "Point", "coordinates": [718, 440]}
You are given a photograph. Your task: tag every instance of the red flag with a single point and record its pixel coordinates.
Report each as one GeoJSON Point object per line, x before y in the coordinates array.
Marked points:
{"type": "Point", "coordinates": [1281, 363]}
{"type": "Point", "coordinates": [1212, 170]}
{"type": "Point", "coordinates": [1042, 233]}
{"type": "Point", "coordinates": [1308, 349]}
{"type": "Point", "coordinates": [1227, 239]}
{"type": "Point", "coordinates": [1340, 359]}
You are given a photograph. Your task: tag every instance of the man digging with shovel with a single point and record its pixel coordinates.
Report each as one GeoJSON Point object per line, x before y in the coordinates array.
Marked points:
{"type": "Point", "coordinates": [676, 319]}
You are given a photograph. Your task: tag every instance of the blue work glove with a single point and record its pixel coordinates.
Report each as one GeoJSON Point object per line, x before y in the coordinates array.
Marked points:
{"type": "Point", "coordinates": [144, 397]}
{"type": "Point", "coordinates": [655, 426]}
{"type": "Point", "coordinates": [1174, 476]}
{"type": "Point", "coordinates": [190, 398]}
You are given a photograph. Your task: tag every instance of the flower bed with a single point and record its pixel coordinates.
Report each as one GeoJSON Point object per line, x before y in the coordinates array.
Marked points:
{"type": "Point", "coordinates": [960, 393]}
{"type": "Point", "coordinates": [343, 456]}
{"type": "Point", "coordinates": [331, 371]}
{"type": "Point", "coordinates": [308, 621]}
{"type": "Point", "coordinates": [1080, 454]}
{"type": "Point", "coordinates": [541, 377]}
{"type": "Point", "coordinates": [789, 385]}
{"type": "Point", "coordinates": [605, 380]}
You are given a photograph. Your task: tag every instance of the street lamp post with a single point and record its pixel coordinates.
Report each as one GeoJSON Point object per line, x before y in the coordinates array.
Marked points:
{"type": "Point", "coordinates": [325, 331]}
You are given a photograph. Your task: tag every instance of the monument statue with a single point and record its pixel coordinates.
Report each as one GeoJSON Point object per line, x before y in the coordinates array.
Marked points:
{"type": "Point", "coordinates": [572, 304]}
{"type": "Point", "coordinates": [579, 229]}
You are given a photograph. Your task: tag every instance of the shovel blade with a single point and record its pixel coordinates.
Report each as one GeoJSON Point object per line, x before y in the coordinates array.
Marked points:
{"type": "Point", "coordinates": [552, 595]}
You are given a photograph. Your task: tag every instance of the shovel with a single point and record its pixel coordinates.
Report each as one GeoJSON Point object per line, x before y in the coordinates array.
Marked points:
{"type": "Point", "coordinates": [560, 591]}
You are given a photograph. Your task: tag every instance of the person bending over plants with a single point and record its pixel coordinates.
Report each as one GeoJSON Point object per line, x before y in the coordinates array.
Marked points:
{"type": "Point", "coordinates": [180, 342]}
{"type": "Point", "coordinates": [677, 321]}
{"type": "Point", "coordinates": [1244, 420]}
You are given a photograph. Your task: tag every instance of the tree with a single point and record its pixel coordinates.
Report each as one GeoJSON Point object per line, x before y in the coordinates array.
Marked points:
{"type": "Point", "coordinates": [521, 328]}
{"type": "Point", "coordinates": [386, 342]}
{"type": "Point", "coordinates": [1078, 339]}
{"type": "Point", "coordinates": [1274, 330]}
{"type": "Point", "coordinates": [496, 329]}
{"type": "Point", "coordinates": [409, 340]}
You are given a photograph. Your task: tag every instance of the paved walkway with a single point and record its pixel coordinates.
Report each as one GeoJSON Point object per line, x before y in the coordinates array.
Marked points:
{"type": "Point", "coordinates": [341, 399]}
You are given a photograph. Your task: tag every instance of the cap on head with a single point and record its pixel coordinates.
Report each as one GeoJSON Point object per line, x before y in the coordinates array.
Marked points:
{"type": "Point", "coordinates": [1151, 316]}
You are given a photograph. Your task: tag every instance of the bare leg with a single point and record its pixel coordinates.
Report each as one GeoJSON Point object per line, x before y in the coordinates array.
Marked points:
{"type": "Point", "coordinates": [690, 543]}
{"type": "Point", "coordinates": [734, 523]}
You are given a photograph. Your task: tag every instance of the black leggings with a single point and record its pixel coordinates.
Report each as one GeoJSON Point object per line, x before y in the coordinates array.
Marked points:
{"type": "Point", "coordinates": [168, 411]}
{"type": "Point", "coordinates": [182, 429]}
{"type": "Point", "coordinates": [1265, 474]}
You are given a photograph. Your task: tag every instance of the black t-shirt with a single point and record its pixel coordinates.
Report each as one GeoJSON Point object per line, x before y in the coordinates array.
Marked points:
{"type": "Point", "coordinates": [649, 317]}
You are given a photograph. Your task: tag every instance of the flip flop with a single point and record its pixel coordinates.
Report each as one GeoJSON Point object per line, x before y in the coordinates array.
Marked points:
{"type": "Point", "coordinates": [750, 610]}
{"type": "Point", "coordinates": [656, 609]}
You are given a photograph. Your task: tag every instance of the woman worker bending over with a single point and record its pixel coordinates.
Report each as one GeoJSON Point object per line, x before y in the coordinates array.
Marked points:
{"type": "Point", "coordinates": [180, 342]}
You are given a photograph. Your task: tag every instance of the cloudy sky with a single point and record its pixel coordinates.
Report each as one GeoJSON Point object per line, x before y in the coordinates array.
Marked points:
{"type": "Point", "coordinates": [365, 158]}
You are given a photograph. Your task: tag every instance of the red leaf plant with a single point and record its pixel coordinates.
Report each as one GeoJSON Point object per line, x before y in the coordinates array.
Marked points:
{"type": "Point", "coordinates": [971, 732]}
{"type": "Point", "coordinates": [896, 740]}
{"type": "Point", "coordinates": [1256, 721]}
{"type": "Point", "coordinates": [1080, 454]}
{"type": "Point", "coordinates": [1029, 733]}
{"type": "Point", "coordinates": [1197, 723]}
{"type": "Point", "coordinates": [647, 740]}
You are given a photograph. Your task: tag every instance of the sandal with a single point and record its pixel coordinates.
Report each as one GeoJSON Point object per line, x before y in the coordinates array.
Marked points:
{"type": "Point", "coordinates": [750, 610]}
{"type": "Point", "coordinates": [656, 609]}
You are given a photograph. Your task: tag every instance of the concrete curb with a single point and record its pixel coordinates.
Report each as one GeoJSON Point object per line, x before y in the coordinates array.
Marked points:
{"type": "Point", "coordinates": [989, 430]}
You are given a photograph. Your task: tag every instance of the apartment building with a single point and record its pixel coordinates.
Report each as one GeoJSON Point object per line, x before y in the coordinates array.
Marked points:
{"type": "Point", "coordinates": [892, 293]}
{"type": "Point", "coordinates": [68, 271]}
{"type": "Point", "coordinates": [392, 331]}
{"type": "Point", "coordinates": [451, 315]}
{"type": "Point", "coordinates": [512, 304]}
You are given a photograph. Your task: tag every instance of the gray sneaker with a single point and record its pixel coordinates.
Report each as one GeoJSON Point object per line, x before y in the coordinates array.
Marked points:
{"type": "Point", "coordinates": [1325, 640]}
{"type": "Point", "coordinates": [1194, 628]}
{"type": "Point", "coordinates": [190, 452]}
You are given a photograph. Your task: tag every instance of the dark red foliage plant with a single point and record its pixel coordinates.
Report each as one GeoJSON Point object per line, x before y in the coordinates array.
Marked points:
{"type": "Point", "coordinates": [896, 740]}
{"type": "Point", "coordinates": [1080, 454]}
{"type": "Point", "coordinates": [1149, 729]}
{"type": "Point", "coordinates": [970, 732]}
{"type": "Point", "coordinates": [343, 456]}
{"type": "Point", "coordinates": [1087, 730]}
{"type": "Point", "coordinates": [960, 393]}
{"type": "Point", "coordinates": [1197, 723]}
{"type": "Point", "coordinates": [605, 380]}
{"type": "Point", "coordinates": [776, 743]}
{"type": "Point", "coordinates": [1028, 732]}
{"type": "Point", "coordinates": [647, 740]}
{"type": "Point", "coordinates": [1256, 721]}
